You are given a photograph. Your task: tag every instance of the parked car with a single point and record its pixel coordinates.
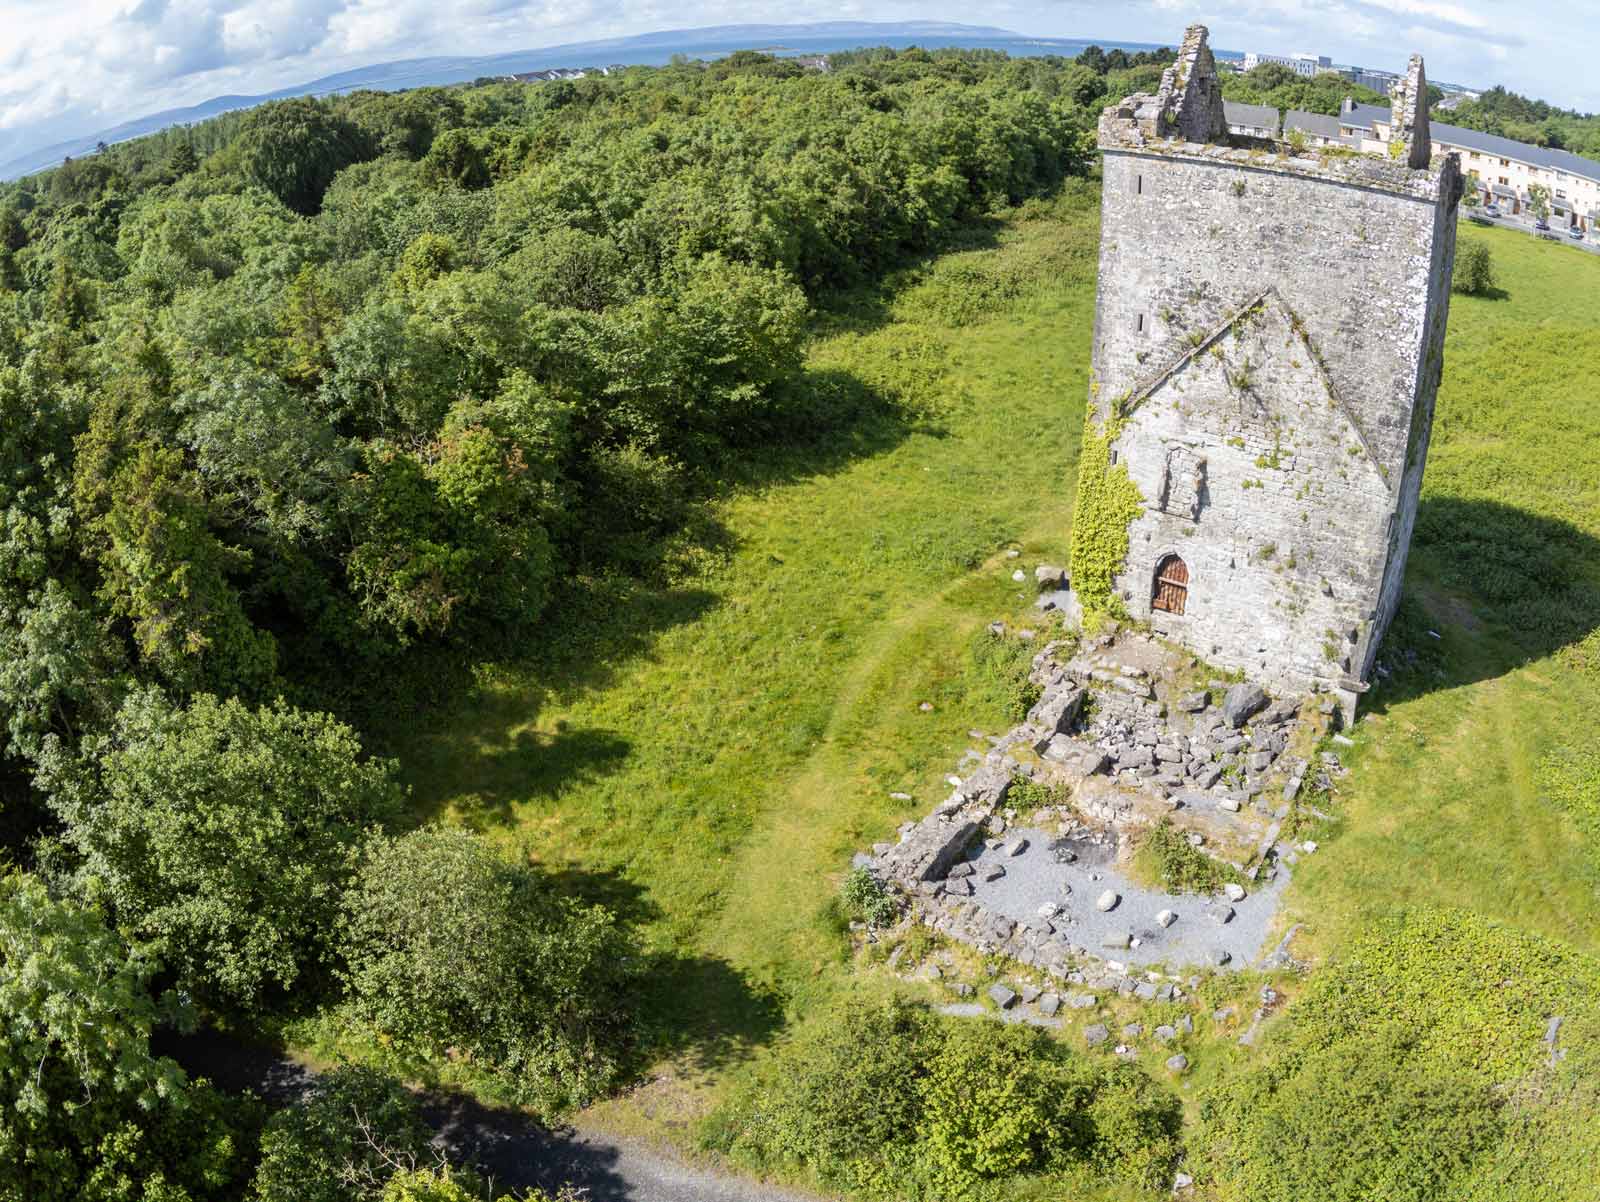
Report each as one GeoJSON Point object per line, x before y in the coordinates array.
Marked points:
{"type": "Point", "coordinates": [1541, 224]}
{"type": "Point", "coordinates": [1575, 233]}
{"type": "Point", "coordinates": [1491, 210]}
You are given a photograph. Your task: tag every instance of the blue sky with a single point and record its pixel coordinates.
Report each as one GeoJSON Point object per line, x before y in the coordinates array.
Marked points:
{"type": "Point", "coordinates": [71, 67]}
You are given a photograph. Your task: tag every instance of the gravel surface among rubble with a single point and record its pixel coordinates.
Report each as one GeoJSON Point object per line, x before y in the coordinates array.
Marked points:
{"type": "Point", "coordinates": [1036, 878]}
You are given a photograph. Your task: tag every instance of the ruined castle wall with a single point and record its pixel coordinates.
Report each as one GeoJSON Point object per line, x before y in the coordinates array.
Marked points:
{"type": "Point", "coordinates": [1293, 555]}
{"type": "Point", "coordinates": [1258, 480]}
{"type": "Point", "coordinates": [1422, 428]}
{"type": "Point", "coordinates": [1184, 241]}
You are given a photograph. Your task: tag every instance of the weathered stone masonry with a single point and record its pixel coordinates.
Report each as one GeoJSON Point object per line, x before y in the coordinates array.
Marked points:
{"type": "Point", "coordinates": [1268, 344]}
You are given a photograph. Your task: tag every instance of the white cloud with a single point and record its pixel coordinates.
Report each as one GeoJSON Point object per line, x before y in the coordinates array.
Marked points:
{"type": "Point", "coordinates": [74, 67]}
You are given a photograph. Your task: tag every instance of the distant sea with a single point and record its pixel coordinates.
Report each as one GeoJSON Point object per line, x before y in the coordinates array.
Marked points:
{"type": "Point", "coordinates": [652, 49]}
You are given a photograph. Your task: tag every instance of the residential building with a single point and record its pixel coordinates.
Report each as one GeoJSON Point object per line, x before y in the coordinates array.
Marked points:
{"type": "Point", "coordinates": [1251, 120]}
{"type": "Point", "coordinates": [1379, 81]}
{"type": "Point", "coordinates": [1317, 128]}
{"type": "Point", "coordinates": [1301, 64]}
{"type": "Point", "coordinates": [1505, 170]}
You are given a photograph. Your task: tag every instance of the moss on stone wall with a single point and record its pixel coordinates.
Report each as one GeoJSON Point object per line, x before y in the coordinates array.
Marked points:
{"type": "Point", "coordinates": [1108, 501]}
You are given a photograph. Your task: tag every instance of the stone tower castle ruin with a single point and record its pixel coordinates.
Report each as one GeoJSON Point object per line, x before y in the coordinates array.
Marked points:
{"type": "Point", "coordinates": [1269, 338]}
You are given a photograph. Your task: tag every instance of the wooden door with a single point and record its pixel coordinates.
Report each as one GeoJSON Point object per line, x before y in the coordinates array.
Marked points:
{"type": "Point", "coordinates": [1172, 585]}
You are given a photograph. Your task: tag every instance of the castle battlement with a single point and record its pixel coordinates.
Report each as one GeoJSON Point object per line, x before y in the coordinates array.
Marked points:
{"type": "Point", "coordinates": [1269, 338]}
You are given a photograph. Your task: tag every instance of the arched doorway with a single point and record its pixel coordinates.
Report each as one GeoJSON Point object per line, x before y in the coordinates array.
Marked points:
{"type": "Point", "coordinates": [1171, 586]}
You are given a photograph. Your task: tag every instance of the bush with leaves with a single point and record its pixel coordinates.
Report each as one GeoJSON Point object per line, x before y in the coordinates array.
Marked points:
{"type": "Point", "coordinates": [1414, 1066]}
{"type": "Point", "coordinates": [866, 900]}
{"type": "Point", "coordinates": [87, 1113]}
{"type": "Point", "coordinates": [1474, 269]}
{"type": "Point", "coordinates": [223, 835]}
{"type": "Point", "coordinates": [889, 1100]}
{"type": "Point", "coordinates": [450, 946]}
{"type": "Point", "coordinates": [352, 1133]}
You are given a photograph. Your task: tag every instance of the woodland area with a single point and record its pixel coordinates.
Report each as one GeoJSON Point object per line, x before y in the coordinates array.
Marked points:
{"type": "Point", "coordinates": [302, 409]}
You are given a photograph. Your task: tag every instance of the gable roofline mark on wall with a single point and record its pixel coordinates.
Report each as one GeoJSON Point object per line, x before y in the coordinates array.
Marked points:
{"type": "Point", "coordinates": [1270, 293]}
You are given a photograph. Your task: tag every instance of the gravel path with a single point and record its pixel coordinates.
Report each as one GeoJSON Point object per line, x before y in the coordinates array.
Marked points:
{"type": "Point", "coordinates": [510, 1146]}
{"type": "Point", "coordinates": [1035, 878]}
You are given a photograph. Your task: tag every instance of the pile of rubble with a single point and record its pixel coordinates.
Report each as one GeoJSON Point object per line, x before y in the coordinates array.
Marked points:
{"type": "Point", "coordinates": [1125, 737]}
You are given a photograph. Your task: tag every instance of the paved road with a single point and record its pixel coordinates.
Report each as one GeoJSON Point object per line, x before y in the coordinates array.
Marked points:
{"type": "Point", "coordinates": [513, 1148]}
{"type": "Point", "coordinates": [1590, 243]}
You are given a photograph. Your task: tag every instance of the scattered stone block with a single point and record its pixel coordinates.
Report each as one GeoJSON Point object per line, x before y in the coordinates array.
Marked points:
{"type": "Point", "coordinates": [1082, 1001]}
{"type": "Point", "coordinates": [1166, 918]}
{"type": "Point", "coordinates": [1017, 847]}
{"type": "Point", "coordinates": [1002, 997]}
{"type": "Point", "coordinates": [1193, 703]}
{"type": "Point", "coordinates": [1030, 994]}
{"type": "Point", "coordinates": [1234, 890]}
{"type": "Point", "coordinates": [1241, 702]}
{"type": "Point", "coordinates": [1096, 1034]}
{"type": "Point", "coordinates": [1176, 1064]}
{"type": "Point", "coordinates": [1166, 1034]}
{"type": "Point", "coordinates": [1107, 901]}
{"type": "Point", "coordinates": [1132, 1031]}
{"type": "Point", "coordinates": [1116, 940]}
{"type": "Point", "coordinates": [1049, 1003]}
{"type": "Point", "coordinates": [1145, 992]}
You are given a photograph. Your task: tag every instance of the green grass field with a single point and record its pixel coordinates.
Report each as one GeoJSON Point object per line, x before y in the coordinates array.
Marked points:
{"type": "Point", "coordinates": [710, 768]}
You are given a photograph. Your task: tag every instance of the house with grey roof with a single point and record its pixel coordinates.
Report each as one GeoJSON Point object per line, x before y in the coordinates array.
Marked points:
{"type": "Point", "coordinates": [1251, 120]}
{"type": "Point", "coordinates": [1504, 170]}
{"type": "Point", "coordinates": [1318, 128]}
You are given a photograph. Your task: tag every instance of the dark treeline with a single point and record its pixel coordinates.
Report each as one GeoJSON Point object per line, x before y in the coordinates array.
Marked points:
{"type": "Point", "coordinates": [1509, 115]}
{"type": "Point", "coordinates": [291, 402]}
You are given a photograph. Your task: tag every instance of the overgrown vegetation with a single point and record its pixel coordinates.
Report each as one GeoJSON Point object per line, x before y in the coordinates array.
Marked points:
{"type": "Point", "coordinates": [1166, 857]}
{"type": "Point", "coordinates": [1108, 501]}
{"type": "Point", "coordinates": [1474, 269]}
{"type": "Point", "coordinates": [1000, 665]}
{"type": "Point", "coordinates": [889, 1101]}
{"type": "Point", "coordinates": [866, 900]}
{"type": "Point", "coordinates": [1415, 1066]}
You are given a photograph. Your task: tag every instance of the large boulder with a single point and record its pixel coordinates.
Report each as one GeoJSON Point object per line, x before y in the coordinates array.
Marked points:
{"type": "Point", "coordinates": [1242, 701]}
{"type": "Point", "coordinates": [1058, 709]}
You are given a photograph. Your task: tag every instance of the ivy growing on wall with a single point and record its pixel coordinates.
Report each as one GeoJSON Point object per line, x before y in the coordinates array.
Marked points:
{"type": "Point", "coordinates": [1108, 501]}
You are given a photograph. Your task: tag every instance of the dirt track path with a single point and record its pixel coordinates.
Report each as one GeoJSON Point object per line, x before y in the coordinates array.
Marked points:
{"type": "Point", "coordinates": [510, 1146]}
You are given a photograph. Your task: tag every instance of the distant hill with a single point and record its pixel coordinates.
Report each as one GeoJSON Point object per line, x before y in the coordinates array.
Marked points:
{"type": "Point", "coordinates": [642, 49]}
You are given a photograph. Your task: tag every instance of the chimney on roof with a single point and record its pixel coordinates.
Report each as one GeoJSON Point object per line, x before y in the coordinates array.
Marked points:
{"type": "Point", "coordinates": [1408, 116]}
{"type": "Point", "coordinates": [1190, 97]}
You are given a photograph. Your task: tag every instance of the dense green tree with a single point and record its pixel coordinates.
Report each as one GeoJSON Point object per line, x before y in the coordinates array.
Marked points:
{"type": "Point", "coordinates": [294, 148]}
{"type": "Point", "coordinates": [451, 946]}
{"type": "Point", "coordinates": [343, 1142]}
{"type": "Point", "coordinates": [456, 158]}
{"type": "Point", "coordinates": [87, 1113]}
{"type": "Point", "coordinates": [223, 835]}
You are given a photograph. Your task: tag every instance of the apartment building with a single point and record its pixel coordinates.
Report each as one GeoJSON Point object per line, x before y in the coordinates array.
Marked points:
{"type": "Point", "coordinates": [1505, 170]}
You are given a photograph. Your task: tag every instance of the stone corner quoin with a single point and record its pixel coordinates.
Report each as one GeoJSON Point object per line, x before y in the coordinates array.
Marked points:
{"type": "Point", "coordinates": [1269, 338]}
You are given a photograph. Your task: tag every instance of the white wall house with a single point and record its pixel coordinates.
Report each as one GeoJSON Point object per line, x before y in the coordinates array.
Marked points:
{"type": "Point", "coordinates": [1505, 169]}
{"type": "Point", "coordinates": [1301, 64]}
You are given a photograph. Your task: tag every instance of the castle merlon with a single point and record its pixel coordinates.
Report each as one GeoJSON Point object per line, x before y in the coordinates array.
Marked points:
{"type": "Point", "coordinates": [1185, 118]}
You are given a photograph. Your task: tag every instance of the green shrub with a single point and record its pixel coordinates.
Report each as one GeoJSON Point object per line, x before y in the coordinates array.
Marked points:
{"type": "Point", "coordinates": [450, 946]}
{"type": "Point", "coordinates": [1166, 856]}
{"type": "Point", "coordinates": [342, 1142]}
{"type": "Point", "coordinates": [867, 900]}
{"type": "Point", "coordinates": [891, 1101]}
{"type": "Point", "coordinates": [1474, 269]}
{"type": "Point", "coordinates": [224, 834]}
{"type": "Point", "coordinates": [1000, 665]}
